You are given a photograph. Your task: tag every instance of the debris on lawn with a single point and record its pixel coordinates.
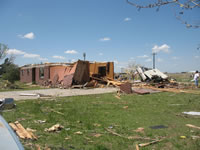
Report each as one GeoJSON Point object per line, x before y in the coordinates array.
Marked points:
{"type": "Point", "coordinates": [183, 137]}
{"type": "Point", "coordinates": [114, 133]}
{"type": "Point", "coordinates": [192, 113]}
{"type": "Point", "coordinates": [7, 103]}
{"type": "Point", "coordinates": [129, 137]}
{"type": "Point", "coordinates": [96, 135]}
{"type": "Point", "coordinates": [29, 94]}
{"type": "Point", "coordinates": [30, 130]}
{"type": "Point", "coordinates": [38, 95]}
{"type": "Point", "coordinates": [57, 112]}
{"type": "Point", "coordinates": [158, 127]}
{"type": "Point", "coordinates": [78, 133]}
{"type": "Point", "coordinates": [137, 147]}
{"type": "Point", "coordinates": [118, 95]}
{"type": "Point", "coordinates": [22, 132]}
{"type": "Point", "coordinates": [40, 121]}
{"type": "Point", "coordinates": [68, 138]}
{"type": "Point", "coordinates": [54, 128]}
{"type": "Point", "coordinates": [192, 126]}
{"type": "Point", "coordinates": [153, 142]}
{"type": "Point", "coordinates": [67, 129]}
{"type": "Point", "coordinates": [139, 130]}
{"type": "Point", "coordinates": [96, 125]}
{"type": "Point", "coordinates": [125, 107]}
{"type": "Point", "coordinates": [195, 137]}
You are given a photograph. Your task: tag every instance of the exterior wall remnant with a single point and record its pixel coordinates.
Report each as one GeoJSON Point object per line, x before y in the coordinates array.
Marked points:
{"type": "Point", "coordinates": [66, 74]}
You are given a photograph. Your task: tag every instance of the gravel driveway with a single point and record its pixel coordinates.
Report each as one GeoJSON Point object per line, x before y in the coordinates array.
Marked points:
{"type": "Point", "coordinates": [55, 92]}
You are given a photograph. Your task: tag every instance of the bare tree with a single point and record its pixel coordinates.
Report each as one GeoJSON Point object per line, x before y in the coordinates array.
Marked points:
{"type": "Point", "coordinates": [180, 8]}
{"type": "Point", "coordinates": [3, 49]}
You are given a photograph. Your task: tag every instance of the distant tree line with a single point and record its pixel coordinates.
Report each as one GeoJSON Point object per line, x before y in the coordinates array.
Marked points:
{"type": "Point", "coordinates": [8, 70]}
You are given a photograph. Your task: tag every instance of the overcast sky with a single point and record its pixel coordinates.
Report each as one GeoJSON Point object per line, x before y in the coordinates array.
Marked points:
{"type": "Point", "coordinates": [106, 30]}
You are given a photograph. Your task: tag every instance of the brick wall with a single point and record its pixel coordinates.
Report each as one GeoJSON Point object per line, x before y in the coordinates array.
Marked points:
{"type": "Point", "coordinates": [26, 75]}
{"type": "Point", "coordinates": [38, 78]}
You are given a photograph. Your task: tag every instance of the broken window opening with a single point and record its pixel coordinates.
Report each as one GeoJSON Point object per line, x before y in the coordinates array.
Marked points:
{"type": "Point", "coordinates": [108, 67]}
{"type": "Point", "coordinates": [102, 71]}
{"type": "Point", "coordinates": [41, 72]}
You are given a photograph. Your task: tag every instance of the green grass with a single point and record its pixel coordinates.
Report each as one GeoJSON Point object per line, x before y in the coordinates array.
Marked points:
{"type": "Point", "coordinates": [17, 86]}
{"type": "Point", "coordinates": [181, 77]}
{"type": "Point", "coordinates": [82, 112]}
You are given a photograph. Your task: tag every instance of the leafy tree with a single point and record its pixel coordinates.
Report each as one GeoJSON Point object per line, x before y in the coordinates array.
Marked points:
{"type": "Point", "coordinates": [3, 49]}
{"type": "Point", "coordinates": [12, 73]}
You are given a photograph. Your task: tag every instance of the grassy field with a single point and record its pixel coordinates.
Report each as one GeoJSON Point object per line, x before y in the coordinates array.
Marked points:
{"type": "Point", "coordinates": [92, 115]}
{"type": "Point", "coordinates": [181, 77]}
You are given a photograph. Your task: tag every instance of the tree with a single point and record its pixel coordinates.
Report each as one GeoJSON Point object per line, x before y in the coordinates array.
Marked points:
{"type": "Point", "coordinates": [7, 63]}
{"type": "Point", "coordinates": [12, 73]}
{"type": "Point", "coordinates": [180, 6]}
{"type": "Point", "coordinates": [3, 49]}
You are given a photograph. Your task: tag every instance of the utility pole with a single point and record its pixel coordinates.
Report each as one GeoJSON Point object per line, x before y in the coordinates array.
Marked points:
{"type": "Point", "coordinates": [84, 56]}
{"type": "Point", "coordinates": [154, 60]}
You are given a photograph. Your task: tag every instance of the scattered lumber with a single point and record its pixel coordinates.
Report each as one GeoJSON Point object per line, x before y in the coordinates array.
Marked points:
{"type": "Point", "coordinates": [57, 112]}
{"type": "Point", "coordinates": [146, 144]}
{"type": "Point", "coordinates": [108, 81]}
{"type": "Point", "coordinates": [192, 126]}
{"type": "Point", "coordinates": [56, 127]}
{"type": "Point", "coordinates": [114, 133]}
{"type": "Point", "coordinates": [22, 132]}
{"type": "Point", "coordinates": [137, 147]}
{"type": "Point", "coordinates": [129, 137]}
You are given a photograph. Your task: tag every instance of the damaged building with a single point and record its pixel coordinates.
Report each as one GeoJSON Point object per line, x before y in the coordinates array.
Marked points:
{"type": "Point", "coordinates": [66, 74]}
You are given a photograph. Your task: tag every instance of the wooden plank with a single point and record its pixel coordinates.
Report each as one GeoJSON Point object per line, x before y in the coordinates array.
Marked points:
{"type": "Point", "coordinates": [137, 147]}
{"type": "Point", "coordinates": [192, 126]}
{"type": "Point", "coordinates": [15, 128]}
{"type": "Point", "coordinates": [146, 144]}
{"type": "Point", "coordinates": [22, 130]}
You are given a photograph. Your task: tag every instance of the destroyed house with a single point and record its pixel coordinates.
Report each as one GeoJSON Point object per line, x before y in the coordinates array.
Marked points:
{"type": "Point", "coordinates": [66, 74]}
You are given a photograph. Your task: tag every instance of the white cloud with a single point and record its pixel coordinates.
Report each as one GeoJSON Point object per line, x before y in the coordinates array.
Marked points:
{"type": "Point", "coordinates": [43, 59]}
{"type": "Point", "coordinates": [31, 55]}
{"type": "Point", "coordinates": [160, 60]}
{"type": "Point", "coordinates": [71, 52]}
{"type": "Point", "coordinates": [197, 57]}
{"type": "Point", "coordinates": [144, 56]}
{"type": "Point", "coordinates": [28, 36]}
{"type": "Point", "coordinates": [24, 54]}
{"type": "Point", "coordinates": [164, 48]}
{"type": "Point", "coordinates": [15, 52]}
{"type": "Point", "coordinates": [36, 56]}
{"type": "Point", "coordinates": [148, 60]}
{"type": "Point", "coordinates": [100, 54]}
{"type": "Point", "coordinates": [73, 60]}
{"type": "Point", "coordinates": [127, 19]}
{"type": "Point", "coordinates": [58, 57]}
{"type": "Point", "coordinates": [105, 39]}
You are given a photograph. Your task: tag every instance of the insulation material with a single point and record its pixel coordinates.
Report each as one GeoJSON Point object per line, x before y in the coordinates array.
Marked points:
{"type": "Point", "coordinates": [155, 72]}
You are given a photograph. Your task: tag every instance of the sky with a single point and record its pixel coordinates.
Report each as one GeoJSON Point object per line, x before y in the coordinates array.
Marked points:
{"type": "Point", "coordinates": [39, 31]}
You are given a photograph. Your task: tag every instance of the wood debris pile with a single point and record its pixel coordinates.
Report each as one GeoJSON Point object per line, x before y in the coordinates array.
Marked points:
{"type": "Point", "coordinates": [22, 132]}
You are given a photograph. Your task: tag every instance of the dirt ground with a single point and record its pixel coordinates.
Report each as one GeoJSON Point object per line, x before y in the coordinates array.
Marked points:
{"type": "Point", "coordinates": [55, 93]}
